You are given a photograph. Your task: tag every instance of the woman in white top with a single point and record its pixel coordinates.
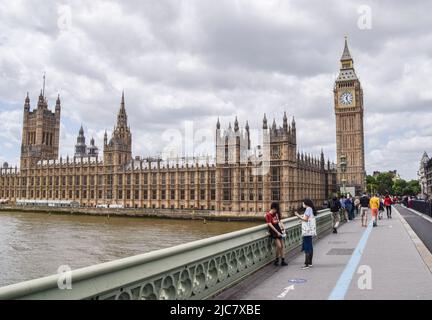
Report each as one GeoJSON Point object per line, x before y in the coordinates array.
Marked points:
{"type": "Point", "coordinates": [308, 231]}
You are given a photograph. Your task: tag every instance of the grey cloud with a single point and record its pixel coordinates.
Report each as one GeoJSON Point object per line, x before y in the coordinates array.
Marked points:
{"type": "Point", "coordinates": [197, 60]}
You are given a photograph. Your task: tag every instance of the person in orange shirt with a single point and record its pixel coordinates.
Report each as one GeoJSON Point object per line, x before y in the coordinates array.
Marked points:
{"type": "Point", "coordinates": [374, 204]}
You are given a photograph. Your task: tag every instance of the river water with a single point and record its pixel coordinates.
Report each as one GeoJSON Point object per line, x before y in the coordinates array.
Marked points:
{"type": "Point", "coordinates": [34, 245]}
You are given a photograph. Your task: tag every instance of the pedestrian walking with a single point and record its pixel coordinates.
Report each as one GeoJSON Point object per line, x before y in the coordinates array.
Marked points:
{"type": "Point", "coordinates": [388, 205]}
{"type": "Point", "coordinates": [356, 205]}
{"type": "Point", "coordinates": [364, 208]}
{"type": "Point", "coordinates": [349, 207]}
{"type": "Point", "coordinates": [277, 231]}
{"type": "Point", "coordinates": [343, 208]}
{"type": "Point", "coordinates": [405, 201]}
{"type": "Point", "coordinates": [381, 208]}
{"type": "Point", "coordinates": [308, 231]}
{"type": "Point", "coordinates": [335, 207]}
{"type": "Point", "coordinates": [374, 204]}
{"type": "Point", "coordinates": [410, 202]}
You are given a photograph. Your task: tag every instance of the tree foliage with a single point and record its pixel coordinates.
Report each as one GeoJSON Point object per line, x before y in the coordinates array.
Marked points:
{"type": "Point", "coordinates": [384, 183]}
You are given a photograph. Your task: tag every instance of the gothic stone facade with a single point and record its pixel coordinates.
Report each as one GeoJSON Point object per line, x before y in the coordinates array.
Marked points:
{"type": "Point", "coordinates": [239, 179]}
{"type": "Point", "coordinates": [348, 107]}
{"type": "Point", "coordinates": [236, 181]}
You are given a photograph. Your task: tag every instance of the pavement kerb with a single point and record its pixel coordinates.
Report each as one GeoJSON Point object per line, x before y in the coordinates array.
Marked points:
{"type": "Point", "coordinates": [420, 214]}
{"type": "Point", "coordinates": [420, 246]}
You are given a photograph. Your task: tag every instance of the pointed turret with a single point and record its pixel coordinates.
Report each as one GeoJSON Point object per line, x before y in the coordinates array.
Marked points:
{"type": "Point", "coordinates": [293, 129]}
{"type": "Point", "coordinates": [27, 102]}
{"type": "Point", "coordinates": [93, 151]}
{"type": "Point", "coordinates": [322, 161]}
{"type": "Point", "coordinates": [218, 124]}
{"type": "Point", "coordinates": [248, 134]}
{"type": "Point", "coordinates": [58, 103]}
{"type": "Point", "coordinates": [265, 127]}
{"type": "Point", "coordinates": [81, 147]}
{"type": "Point", "coordinates": [41, 100]}
{"type": "Point", "coordinates": [236, 125]}
{"type": "Point", "coordinates": [285, 122]}
{"type": "Point", "coordinates": [274, 125]}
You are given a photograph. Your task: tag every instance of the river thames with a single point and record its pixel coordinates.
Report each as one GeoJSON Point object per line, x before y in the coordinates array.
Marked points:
{"type": "Point", "coordinates": [34, 245]}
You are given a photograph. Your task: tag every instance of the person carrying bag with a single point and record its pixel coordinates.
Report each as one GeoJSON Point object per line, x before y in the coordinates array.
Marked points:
{"type": "Point", "coordinates": [308, 231]}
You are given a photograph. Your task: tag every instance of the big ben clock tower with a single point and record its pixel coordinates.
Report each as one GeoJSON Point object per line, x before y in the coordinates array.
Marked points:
{"type": "Point", "coordinates": [348, 106]}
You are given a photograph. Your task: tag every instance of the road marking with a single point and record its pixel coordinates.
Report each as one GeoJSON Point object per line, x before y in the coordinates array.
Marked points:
{"type": "Point", "coordinates": [341, 288]}
{"type": "Point", "coordinates": [286, 290]}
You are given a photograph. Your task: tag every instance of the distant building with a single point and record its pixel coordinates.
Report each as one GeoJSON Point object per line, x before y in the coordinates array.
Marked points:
{"type": "Point", "coordinates": [429, 179]}
{"type": "Point", "coordinates": [81, 149]}
{"type": "Point", "coordinates": [226, 183]}
{"type": "Point", "coordinates": [395, 175]}
{"type": "Point", "coordinates": [422, 175]}
{"type": "Point", "coordinates": [239, 179]}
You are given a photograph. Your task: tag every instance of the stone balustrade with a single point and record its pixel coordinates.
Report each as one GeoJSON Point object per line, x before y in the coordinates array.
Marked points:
{"type": "Point", "coordinates": [195, 270]}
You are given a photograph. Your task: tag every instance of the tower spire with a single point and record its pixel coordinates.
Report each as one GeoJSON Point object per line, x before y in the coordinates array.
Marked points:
{"type": "Point", "coordinates": [346, 55]}
{"type": "Point", "coordinates": [122, 116]}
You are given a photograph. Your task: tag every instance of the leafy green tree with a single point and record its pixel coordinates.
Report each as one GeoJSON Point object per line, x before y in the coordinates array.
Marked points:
{"type": "Point", "coordinates": [371, 184]}
{"type": "Point", "coordinates": [412, 188]}
{"type": "Point", "coordinates": [385, 183]}
{"type": "Point", "coordinates": [399, 187]}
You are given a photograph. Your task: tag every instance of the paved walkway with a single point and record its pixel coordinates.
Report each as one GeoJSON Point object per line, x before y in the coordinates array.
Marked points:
{"type": "Point", "coordinates": [389, 253]}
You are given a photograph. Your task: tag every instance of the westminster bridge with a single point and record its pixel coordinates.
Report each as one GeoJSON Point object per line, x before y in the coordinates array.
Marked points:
{"type": "Point", "coordinates": [392, 261]}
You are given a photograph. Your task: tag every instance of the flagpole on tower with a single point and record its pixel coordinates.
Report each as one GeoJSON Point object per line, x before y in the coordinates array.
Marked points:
{"type": "Point", "coordinates": [43, 89]}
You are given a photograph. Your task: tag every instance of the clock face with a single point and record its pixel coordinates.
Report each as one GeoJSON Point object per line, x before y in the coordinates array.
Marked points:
{"type": "Point", "coordinates": [346, 98]}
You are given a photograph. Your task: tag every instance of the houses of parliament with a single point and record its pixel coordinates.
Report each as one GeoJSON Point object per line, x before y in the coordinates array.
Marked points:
{"type": "Point", "coordinates": [237, 180]}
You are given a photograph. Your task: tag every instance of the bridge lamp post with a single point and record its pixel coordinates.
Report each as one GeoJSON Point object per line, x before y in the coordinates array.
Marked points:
{"type": "Point", "coordinates": [343, 167]}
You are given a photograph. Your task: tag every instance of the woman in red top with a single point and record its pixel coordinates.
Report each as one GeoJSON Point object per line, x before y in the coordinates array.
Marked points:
{"type": "Point", "coordinates": [277, 231]}
{"type": "Point", "coordinates": [388, 203]}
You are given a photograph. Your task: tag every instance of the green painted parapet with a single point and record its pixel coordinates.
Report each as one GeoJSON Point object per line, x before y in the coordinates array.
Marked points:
{"type": "Point", "coordinates": [195, 270]}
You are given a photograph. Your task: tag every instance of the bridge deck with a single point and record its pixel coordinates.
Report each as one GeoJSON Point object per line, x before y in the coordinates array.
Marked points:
{"type": "Point", "coordinates": [391, 250]}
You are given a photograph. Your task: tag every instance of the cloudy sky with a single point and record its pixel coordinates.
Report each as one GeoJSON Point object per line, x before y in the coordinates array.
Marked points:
{"type": "Point", "coordinates": [182, 64]}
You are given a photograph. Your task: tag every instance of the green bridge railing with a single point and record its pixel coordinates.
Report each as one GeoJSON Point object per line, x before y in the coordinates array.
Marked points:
{"type": "Point", "coordinates": [195, 270]}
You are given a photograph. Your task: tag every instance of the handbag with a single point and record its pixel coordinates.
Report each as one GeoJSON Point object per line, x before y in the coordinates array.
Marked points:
{"type": "Point", "coordinates": [309, 227]}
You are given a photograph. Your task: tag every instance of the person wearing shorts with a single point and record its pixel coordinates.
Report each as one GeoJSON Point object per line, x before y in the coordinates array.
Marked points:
{"type": "Point", "coordinates": [374, 204]}
{"type": "Point", "coordinates": [277, 231]}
